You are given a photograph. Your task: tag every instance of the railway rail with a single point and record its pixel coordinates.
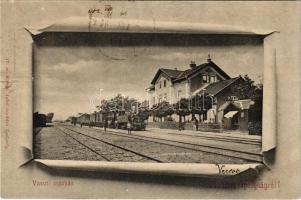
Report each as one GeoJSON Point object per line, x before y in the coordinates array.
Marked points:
{"type": "Point", "coordinates": [222, 138]}
{"type": "Point", "coordinates": [106, 143]}
{"type": "Point", "coordinates": [240, 154]}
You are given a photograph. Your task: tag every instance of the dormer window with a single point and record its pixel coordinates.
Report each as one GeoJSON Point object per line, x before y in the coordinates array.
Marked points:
{"type": "Point", "coordinates": [212, 79]}
{"type": "Point", "coordinates": [204, 78]}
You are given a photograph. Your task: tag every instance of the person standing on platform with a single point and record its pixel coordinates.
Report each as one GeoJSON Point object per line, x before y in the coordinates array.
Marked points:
{"type": "Point", "coordinates": [129, 127]}
{"type": "Point", "coordinates": [105, 126]}
{"type": "Point", "coordinates": [116, 124]}
{"type": "Point", "coordinates": [196, 124]}
{"type": "Point", "coordinates": [193, 124]}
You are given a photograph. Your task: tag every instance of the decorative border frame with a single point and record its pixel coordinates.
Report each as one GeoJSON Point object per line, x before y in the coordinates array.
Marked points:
{"type": "Point", "coordinates": [108, 25]}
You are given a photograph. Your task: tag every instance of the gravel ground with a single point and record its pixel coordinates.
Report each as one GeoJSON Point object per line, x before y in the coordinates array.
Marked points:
{"type": "Point", "coordinates": [54, 145]}
{"type": "Point", "coordinates": [51, 143]}
{"type": "Point", "coordinates": [111, 153]}
{"type": "Point", "coordinates": [165, 153]}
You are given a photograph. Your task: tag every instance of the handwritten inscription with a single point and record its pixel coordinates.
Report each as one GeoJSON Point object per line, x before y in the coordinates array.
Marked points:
{"type": "Point", "coordinates": [226, 170]}
{"type": "Point", "coordinates": [7, 101]}
{"type": "Point", "coordinates": [105, 11]}
{"type": "Point", "coordinates": [92, 11]}
{"type": "Point", "coordinates": [99, 17]}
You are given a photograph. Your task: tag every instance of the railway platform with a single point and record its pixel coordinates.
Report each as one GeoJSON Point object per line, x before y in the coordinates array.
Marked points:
{"type": "Point", "coordinates": [248, 143]}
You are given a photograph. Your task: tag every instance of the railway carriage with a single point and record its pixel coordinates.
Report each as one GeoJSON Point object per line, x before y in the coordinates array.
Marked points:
{"type": "Point", "coordinates": [99, 119]}
{"type": "Point", "coordinates": [84, 119]}
{"type": "Point", "coordinates": [92, 119]}
{"type": "Point", "coordinates": [114, 120]}
{"type": "Point", "coordinates": [74, 120]}
{"type": "Point", "coordinates": [39, 120]}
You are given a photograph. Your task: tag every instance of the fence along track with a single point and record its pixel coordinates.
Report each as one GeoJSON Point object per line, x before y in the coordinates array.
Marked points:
{"type": "Point", "coordinates": [248, 156]}
{"type": "Point", "coordinates": [116, 146]}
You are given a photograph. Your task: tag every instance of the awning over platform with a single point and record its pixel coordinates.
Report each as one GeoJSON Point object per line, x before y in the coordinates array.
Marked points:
{"type": "Point", "coordinates": [230, 114]}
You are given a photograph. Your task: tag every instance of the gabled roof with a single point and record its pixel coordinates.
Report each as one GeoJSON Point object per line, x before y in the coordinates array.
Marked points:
{"type": "Point", "coordinates": [200, 89]}
{"type": "Point", "coordinates": [171, 73]}
{"type": "Point", "coordinates": [188, 73]}
{"type": "Point", "coordinates": [179, 75]}
{"type": "Point", "coordinates": [217, 87]}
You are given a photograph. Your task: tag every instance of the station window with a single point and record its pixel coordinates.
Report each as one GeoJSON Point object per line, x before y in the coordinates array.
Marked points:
{"type": "Point", "coordinates": [234, 98]}
{"type": "Point", "coordinates": [160, 85]}
{"type": "Point", "coordinates": [204, 78]}
{"type": "Point", "coordinates": [164, 83]}
{"type": "Point", "coordinates": [212, 79]}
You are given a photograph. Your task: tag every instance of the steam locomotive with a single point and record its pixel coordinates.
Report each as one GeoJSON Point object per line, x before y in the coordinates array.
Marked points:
{"type": "Point", "coordinates": [117, 120]}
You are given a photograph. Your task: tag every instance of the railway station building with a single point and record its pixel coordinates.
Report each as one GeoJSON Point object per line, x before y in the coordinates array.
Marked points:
{"type": "Point", "coordinates": [171, 85]}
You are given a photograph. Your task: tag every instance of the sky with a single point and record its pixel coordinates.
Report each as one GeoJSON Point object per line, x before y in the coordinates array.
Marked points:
{"type": "Point", "coordinates": [71, 80]}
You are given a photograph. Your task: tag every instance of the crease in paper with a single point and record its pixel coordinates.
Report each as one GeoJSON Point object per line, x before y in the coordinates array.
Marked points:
{"type": "Point", "coordinates": [214, 170]}
{"type": "Point", "coordinates": [27, 142]}
{"type": "Point", "coordinates": [97, 24]}
{"type": "Point", "coordinates": [269, 120]}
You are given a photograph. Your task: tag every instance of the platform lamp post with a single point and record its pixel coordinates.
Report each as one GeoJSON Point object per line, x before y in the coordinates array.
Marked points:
{"type": "Point", "coordinates": [212, 100]}
{"type": "Point", "coordinates": [204, 99]}
{"type": "Point", "coordinates": [204, 103]}
{"type": "Point", "coordinates": [211, 97]}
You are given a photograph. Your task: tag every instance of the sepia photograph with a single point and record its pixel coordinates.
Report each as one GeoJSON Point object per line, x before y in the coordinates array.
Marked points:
{"type": "Point", "coordinates": [150, 99]}
{"type": "Point", "coordinates": [165, 98]}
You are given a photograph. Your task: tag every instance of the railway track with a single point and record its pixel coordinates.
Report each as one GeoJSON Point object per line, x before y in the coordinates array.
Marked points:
{"type": "Point", "coordinates": [248, 156]}
{"type": "Point", "coordinates": [113, 150]}
{"type": "Point", "coordinates": [221, 138]}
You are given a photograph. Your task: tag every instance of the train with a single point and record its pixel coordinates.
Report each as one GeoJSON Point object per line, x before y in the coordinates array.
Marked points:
{"type": "Point", "coordinates": [117, 120]}
{"type": "Point", "coordinates": [39, 120]}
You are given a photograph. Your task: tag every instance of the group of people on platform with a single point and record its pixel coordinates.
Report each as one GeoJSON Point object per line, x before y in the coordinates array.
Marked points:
{"type": "Point", "coordinates": [128, 126]}
{"type": "Point", "coordinates": [105, 126]}
{"type": "Point", "coordinates": [195, 125]}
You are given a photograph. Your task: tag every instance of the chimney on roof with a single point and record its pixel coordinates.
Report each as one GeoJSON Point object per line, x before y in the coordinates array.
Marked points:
{"type": "Point", "coordinates": [208, 59]}
{"type": "Point", "coordinates": [192, 65]}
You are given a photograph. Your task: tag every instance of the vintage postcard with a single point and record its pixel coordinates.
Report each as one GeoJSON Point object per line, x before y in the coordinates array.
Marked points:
{"type": "Point", "coordinates": [110, 96]}
{"type": "Point", "coordinates": [153, 103]}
